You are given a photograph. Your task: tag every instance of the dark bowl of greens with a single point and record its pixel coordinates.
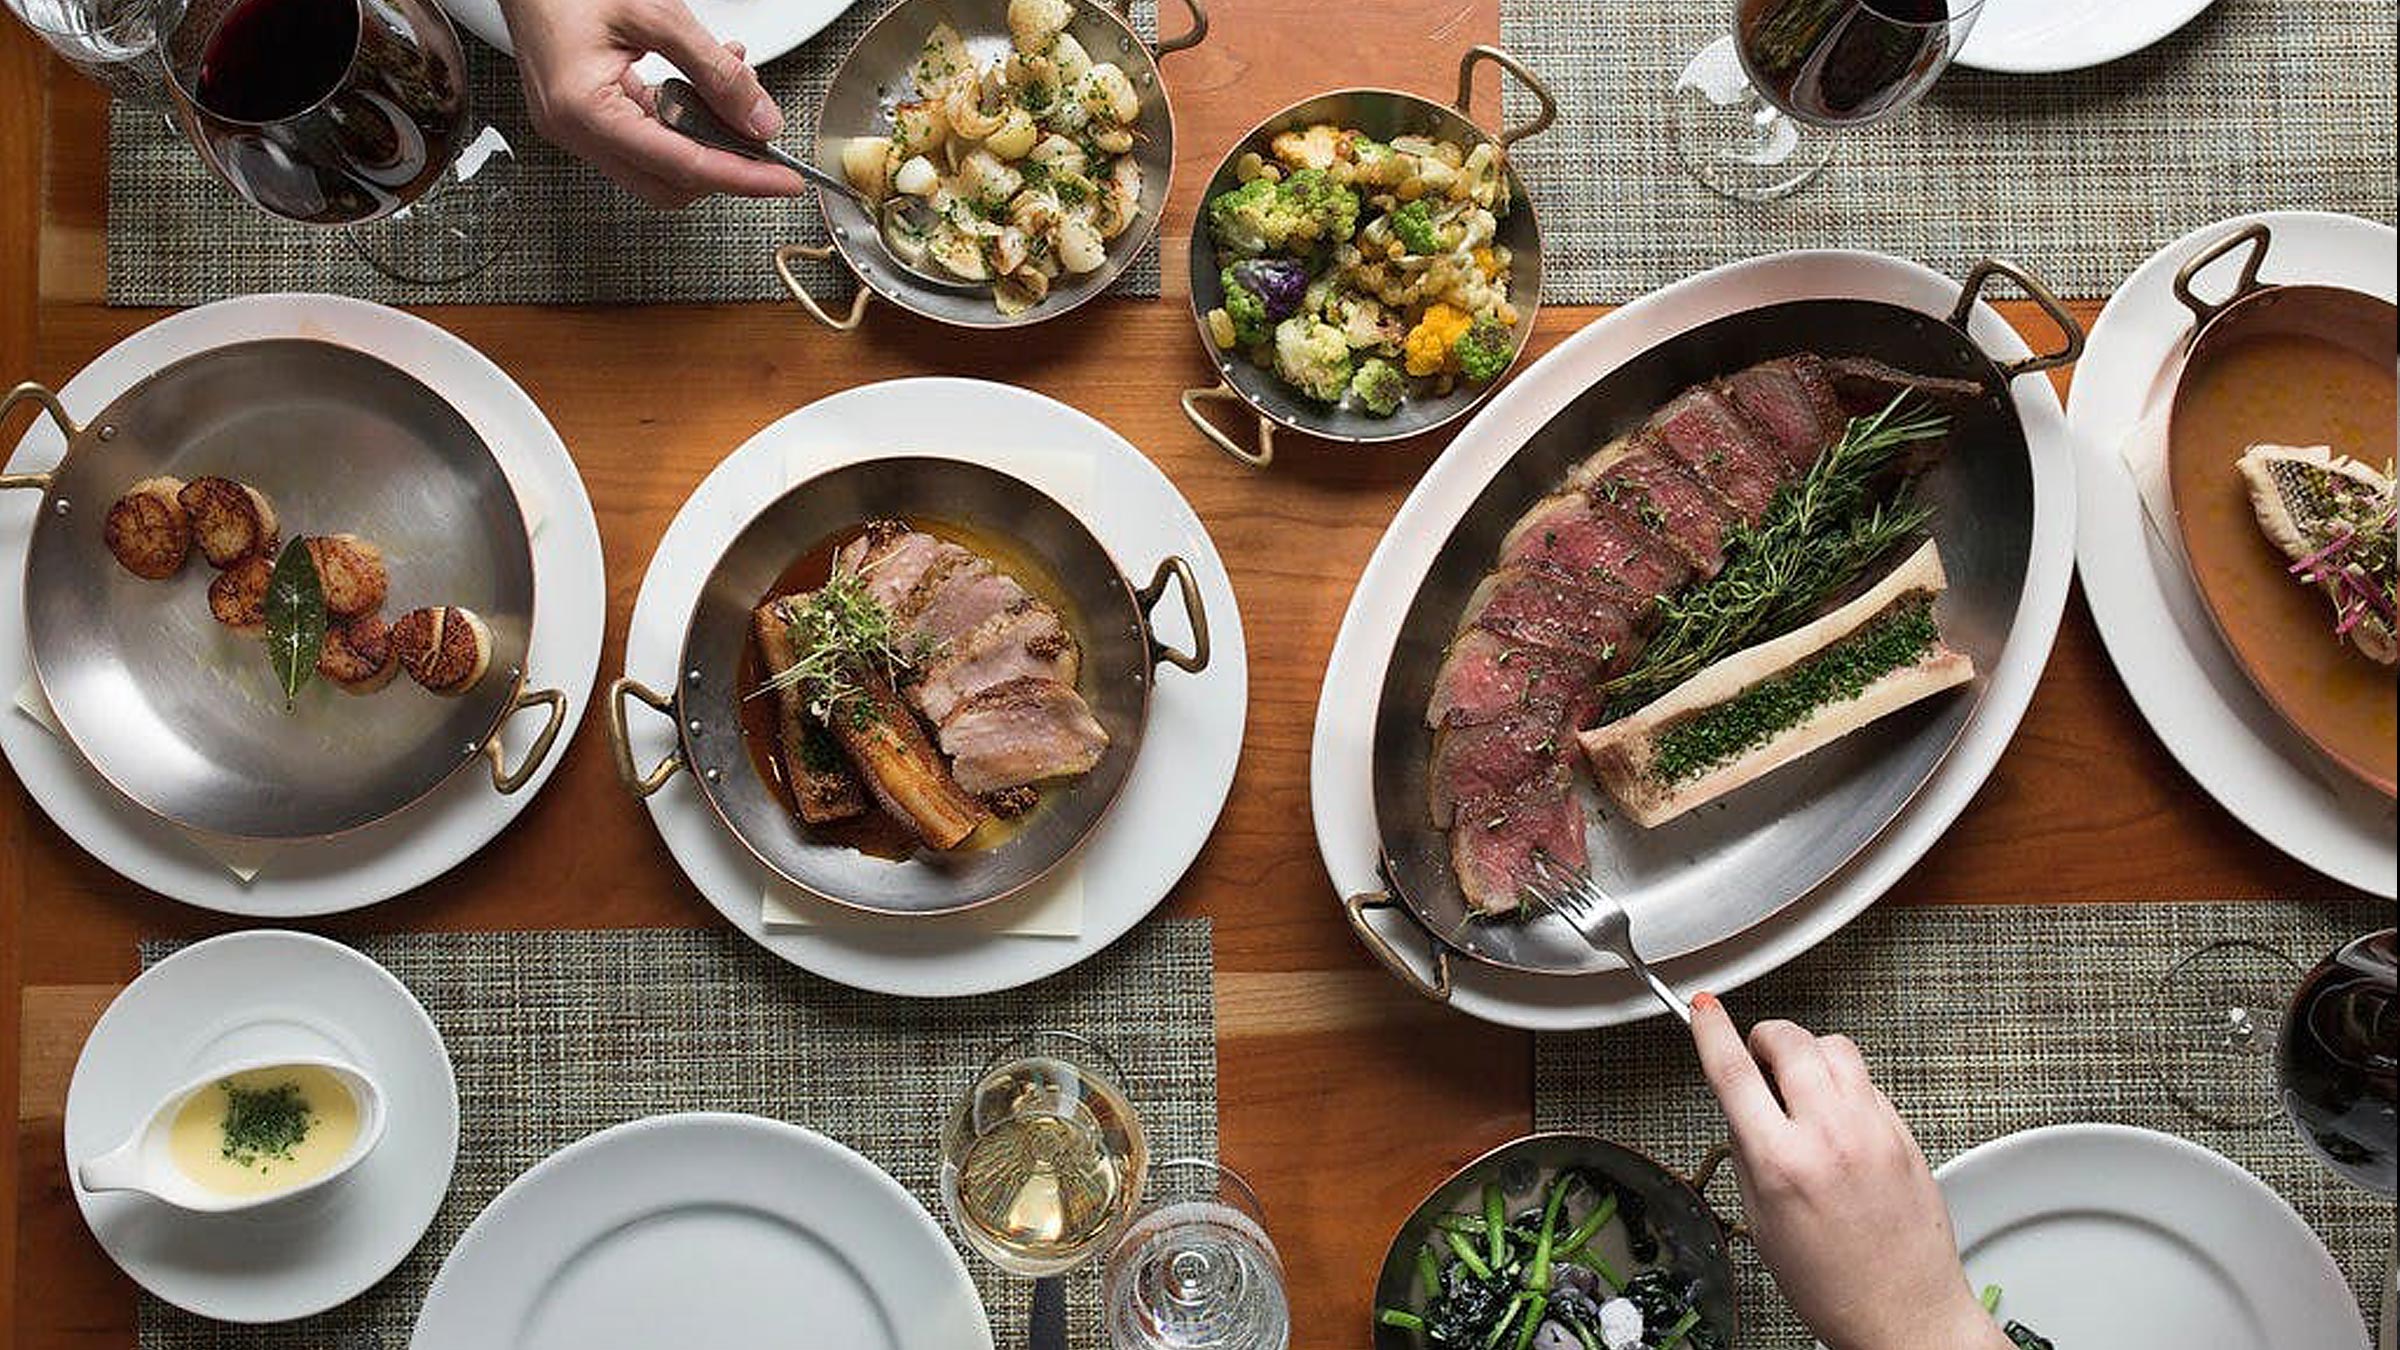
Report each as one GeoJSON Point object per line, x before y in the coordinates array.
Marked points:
{"type": "Point", "coordinates": [1561, 1242]}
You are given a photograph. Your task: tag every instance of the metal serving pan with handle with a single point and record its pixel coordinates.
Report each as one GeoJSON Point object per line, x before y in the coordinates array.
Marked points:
{"type": "Point", "coordinates": [1719, 871]}
{"type": "Point", "coordinates": [858, 102]}
{"type": "Point", "coordinates": [185, 717]}
{"type": "Point", "coordinates": [1109, 614]}
{"type": "Point", "coordinates": [1382, 114]}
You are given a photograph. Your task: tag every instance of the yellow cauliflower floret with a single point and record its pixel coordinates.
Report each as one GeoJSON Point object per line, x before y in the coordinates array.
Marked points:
{"type": "Point", "coordinates": [1428, 346]}
{"type": "Point", "coordinates": [1484, 260]}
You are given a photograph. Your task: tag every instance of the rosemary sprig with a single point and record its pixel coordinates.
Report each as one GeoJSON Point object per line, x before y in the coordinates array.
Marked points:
{"type": "Point", "coordinates": [844, 637]}
{"type": "Point", "coordinates": [1820, 534]}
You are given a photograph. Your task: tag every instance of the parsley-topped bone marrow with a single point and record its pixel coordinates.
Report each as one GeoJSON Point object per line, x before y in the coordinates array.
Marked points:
{"type": "Point", "coordinates": [1758, 710]}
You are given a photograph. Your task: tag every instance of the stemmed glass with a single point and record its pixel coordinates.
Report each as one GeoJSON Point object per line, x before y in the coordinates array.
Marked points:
{"type": "Point", "coordinates": [1757, 114]}
{"type": "Point", "coordinates": [112, 42]}
{"type": "Point", "coordinates": [346, 113]}
{"type": "Point", "coordinates": [1196, 1270]}
{"type": "Point", "coordinates": [1043, 1161]}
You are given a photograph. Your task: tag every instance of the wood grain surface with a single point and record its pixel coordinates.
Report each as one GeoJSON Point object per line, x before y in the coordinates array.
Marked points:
{"type": "Point", "coordinates": [1343, 1098]}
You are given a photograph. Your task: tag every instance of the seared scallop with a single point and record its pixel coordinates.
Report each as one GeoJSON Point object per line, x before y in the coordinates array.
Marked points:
{"type": "Point", "coordinates": [351, 572]}
{"type": "Point", "coordinates": [230, 521]}
{"type": "Point", "coordinates": [149, 531]}
{"type": "Point", "coordinates": [443, 647]}
{"type": "Point", "coordinates": [238, 597]}
{"type": "Point", "coordinates": [359, 655]}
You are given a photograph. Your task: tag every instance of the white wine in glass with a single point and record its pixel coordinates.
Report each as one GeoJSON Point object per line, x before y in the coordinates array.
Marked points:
{"type": "Point", "coordinates": [1045, 1159]}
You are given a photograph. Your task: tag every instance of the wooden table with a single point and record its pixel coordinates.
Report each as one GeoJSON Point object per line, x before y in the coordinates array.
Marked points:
{"type": "Point", "coordinates": [1343, 1097]}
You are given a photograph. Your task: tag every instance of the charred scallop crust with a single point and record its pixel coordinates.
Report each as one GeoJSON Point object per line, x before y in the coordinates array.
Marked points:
{"type": "Point", "coordinates": [443, 647]}
{"type": "Point", "coordinates": [351, 571]}
{"type": "Point", "coordinates": [238, 596]}
{"type": "Point", "coordinates": [358, 655]}
{"type": "Point", "coordinates": [148, 530]}
{"type": "Point", "coordinates": [230, 521]}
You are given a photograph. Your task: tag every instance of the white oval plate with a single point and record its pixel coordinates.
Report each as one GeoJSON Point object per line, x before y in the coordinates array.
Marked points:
{"type": "Point", "coordinates": [267, 994]}
{"type": "Point", "coordinates": [2105, 1235]}
{"type": "Point", "coordinates": [2033, 37]}
{"type": "Point", "coordinates": [767, 28]}
{"type": "Point", "coordinates": [1178, 783]}
{"type": "Point", "coordinates": [2158, 634]}
{"type": "Point", "coordinates": [1341, 757]}
{"type": "Point", "coordinates": [461, 816]}
{"type": "Point", "coordinates": [703, 1230]}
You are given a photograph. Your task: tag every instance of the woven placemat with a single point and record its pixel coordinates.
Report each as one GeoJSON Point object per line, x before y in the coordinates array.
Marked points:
{"type": "Point", "coordinates": [2256, 105]}
{"type": "Point", "coordinates": [177, 236]}
{"type": "Point", "coordinates": [543, 1029]}
{"type": "Point", "coordinates": [1979, 1021]}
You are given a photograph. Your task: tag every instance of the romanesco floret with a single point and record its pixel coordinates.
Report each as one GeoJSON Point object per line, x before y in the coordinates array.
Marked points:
{"type": "Point", "coordinates": [1484, 350]}
{"type": "Point", "coordinates": [1248, 310]}
{"type": "Point", "coordinates": [1379, 386]}
{"type": "Point", "coordinates": [1412, 225]}
{"type": "Point", "coordinates": [1312, 357]}
{"type": "Point", "coordinates": [1239, 219]}
{"type": "Point", "coordinates": [1315, 208]}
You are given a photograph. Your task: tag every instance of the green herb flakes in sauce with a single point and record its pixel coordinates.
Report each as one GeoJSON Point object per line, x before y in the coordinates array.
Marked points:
{"type": "Point", "coordinates": [263, 1124]}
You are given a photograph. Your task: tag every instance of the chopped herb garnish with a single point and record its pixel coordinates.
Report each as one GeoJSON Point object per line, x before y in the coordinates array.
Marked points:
{"type": "Point", "coordinates": [844, 636]}
{"type": "Point", "coordinates": [264, 1123]}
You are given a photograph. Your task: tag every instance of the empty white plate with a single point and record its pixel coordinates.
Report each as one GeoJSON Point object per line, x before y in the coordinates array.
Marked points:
{"type": "Point", "coordinates": [2110, 1236]}
{"type": "Point", "coordinates": [2035, 37]}
{"type": "Point", "coordinates": [703, 1230]}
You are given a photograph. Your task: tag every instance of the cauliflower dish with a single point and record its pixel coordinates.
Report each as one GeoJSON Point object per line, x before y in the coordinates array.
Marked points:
{"type": "Point", "coordinates": [1015, 173]}
{"type": "Point", "coordinates": [1363, 273]}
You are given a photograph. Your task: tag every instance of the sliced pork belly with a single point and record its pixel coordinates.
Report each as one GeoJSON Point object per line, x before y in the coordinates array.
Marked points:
{"type": "Point", "coordinates": [956, 597]}
{"type": "Point", "coordinates": [1493, 842]}
{"type": "Point", "coordinates": [1486, 677]}
{"type": "Point", "coordinates": [1647, 481]}
{"type": "Point", "coordinates": [1575, 534]}
{"type": "Point", "coordinates": [1019, 732]}
{"type": "Point", "coordinates": [1539, 607]}
{"type": "Point", "coordinates": [892, 563]}
{"type": "Point", "coordinates": [1485, 763]}
{"type": "Point", "coordinates": [1793, 401]}
{"type": "Point", "coordinates": [1025, 640]}
{"type": "Point", "coordinates": [1711, 439]}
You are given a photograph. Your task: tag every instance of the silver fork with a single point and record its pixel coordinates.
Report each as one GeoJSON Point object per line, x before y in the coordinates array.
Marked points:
{"type": "Point", "coordinates": [1598, 919]}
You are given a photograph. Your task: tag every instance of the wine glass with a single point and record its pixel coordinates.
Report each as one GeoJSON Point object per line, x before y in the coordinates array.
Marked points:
{"type": "Point", "coordinates": [1757, 114]}
{"type": "Point", "coordinates": [2217, 1016]}
{"type": "Point", "coordinates": [2337, 1062]}
{"type": "Point", "coordinates": [111, 42]}
{"type": "Point", "coordinates": [1043, 1161]}
{"type": "Point", "coordinates": [1196, 1270]}
{"type": "Point", "coordinates": [346, 113]}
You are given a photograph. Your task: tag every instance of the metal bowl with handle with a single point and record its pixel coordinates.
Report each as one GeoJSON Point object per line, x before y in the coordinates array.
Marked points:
{"type": "Point", "coordinates": [1109, 614]}
{"type": "Point", "coordinates": [185, 717]}
{"type": "Point", "coordinates": [876, 74]}
{"type": "Point", "coordinates": [1382, 114]}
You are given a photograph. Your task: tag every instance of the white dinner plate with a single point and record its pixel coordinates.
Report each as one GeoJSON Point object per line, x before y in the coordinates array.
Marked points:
{"type": "Point", "coordinates": [267, 994]}
{"type": "Point", "coordinates": [436, 834]}
{"type": "Point", "coordinates": [703, 1230]}
{"type": "Point", "coordinates": [767, 28]}
{"type": "Point", "coordinates": [2031, 37]}
{"type": "Point", "coordinates": [1341, 787]}
{"type": "Point", "coordinates": [1172, 795]}
{"type": "Point", "coordinates": [2109, 1236]}
{"type": "Point", "coordinates": [2151, 619]}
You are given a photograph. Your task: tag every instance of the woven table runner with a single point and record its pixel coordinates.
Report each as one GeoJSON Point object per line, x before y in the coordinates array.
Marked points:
{"type": "Point", "coordinates": [2255, 105]}
{"type": "Point", "coordinates": [177, 236]}
{"type": "Point", "coordinates": [543, 1028]}
{"type": "Point", "coordinates": [1979, 1021]}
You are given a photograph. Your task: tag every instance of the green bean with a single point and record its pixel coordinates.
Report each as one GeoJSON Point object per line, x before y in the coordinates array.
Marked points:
{"type": "Point", "coordinates": [1429, 1272]}
{"type": "Point", "coordinates": [1593, 1222]}
{"type": "Point", "coordinates": [1466, 1254]}
{"type": "Point", "coordinates": [1516, 1304]}
{"type": "Point", "coordinates": [1396, 1317]}
{"type": "Point", "coordinates": [1495, 1221]}
{"type": "Point", "coordinates": [1682, 1328]}
{"type": "Point", "coordinates": [1537, 1276]}
{"type": "Point", "coordinates": [1585, 1256]}
{"type": "Point", "coordinates": [1533, 1320]}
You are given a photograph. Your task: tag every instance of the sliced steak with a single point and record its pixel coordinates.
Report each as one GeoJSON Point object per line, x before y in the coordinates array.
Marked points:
{"type": "Point", "coordinates": [1018, 732]}
{"type": "Point", "coordinates": [1542, 608]}
{"type": "Point", "coordinates": [1488, 762]}
{"type": "Point", "coordinates": [1572, 533]}
{"type": "Point", "coordinates": [1025, 640]}
{"type": "Point", "coordinates": [1647, 483]}
{"type": "Point", "coordinates": [1492, 843]}
{"type": "Point", "coordinates": [1711, 439]}
{"type": "Point", "coordinates": [1800, 414]}
{"type": "Point", "coordinates": [1486, 677]}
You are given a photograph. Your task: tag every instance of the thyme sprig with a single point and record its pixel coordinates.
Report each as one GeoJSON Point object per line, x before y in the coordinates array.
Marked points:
{"type": "Point", "coordinates": [845, 637]}
{"type": "Point", "coordinates": [1820, 534]}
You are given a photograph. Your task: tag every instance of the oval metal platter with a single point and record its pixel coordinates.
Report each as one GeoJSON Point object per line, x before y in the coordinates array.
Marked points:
{"type": "Point", "coordinates": [1708, 875]}
{"type": "Point", "coordinates": [186, 717]}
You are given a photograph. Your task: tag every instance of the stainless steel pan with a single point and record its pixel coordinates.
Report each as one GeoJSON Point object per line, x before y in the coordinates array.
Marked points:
{"type": "Point", "coordinates": [185, 717]}
{"type": "Point", "coordinates": [1109, 613]}
{"type": "Point", "coordinates": [1777, 839]}
{"type": "Point", "coordinates": [876, 74]}
{"type": "Point", "coordinates": [1383, 114]}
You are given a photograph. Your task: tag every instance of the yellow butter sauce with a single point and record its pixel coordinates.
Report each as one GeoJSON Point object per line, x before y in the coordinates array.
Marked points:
{"type": "Point", "coordinates": [223, 1147]}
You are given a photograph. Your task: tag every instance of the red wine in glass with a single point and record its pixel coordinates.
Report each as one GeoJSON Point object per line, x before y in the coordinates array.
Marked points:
{"type": "Point", "coordinates": [2337, 1061]}
{"type": "Point", "coordinates": [1843, 62]}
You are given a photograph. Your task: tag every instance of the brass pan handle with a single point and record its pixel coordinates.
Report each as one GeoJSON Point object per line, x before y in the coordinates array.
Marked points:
{"type": "Point", "coordinates": [48, 402]}
{"type": "Point", "coordinates": [1508, 136]}
{"type": "Point", "coordinates": [1438, 988]}
{"type": "Point", "coordinates": [508, 780]}
{"type": "Point", "coordinates": [638, 783]}
{"type": "Point", "coordinates": [2036, 289]}
{"type": "Point", "coordinates": [791, 282]}
{"type": "Point", "coordinates": [2259, 239]}
{"type": "Point", "coordinates": [1711, 1162]}
{"type": "Point", "coordinates": [1260, 458]}
{"type": "Point", "coordinates": [1195, 660]}
{"type": "Point", "coordinates": [1182, 42]}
